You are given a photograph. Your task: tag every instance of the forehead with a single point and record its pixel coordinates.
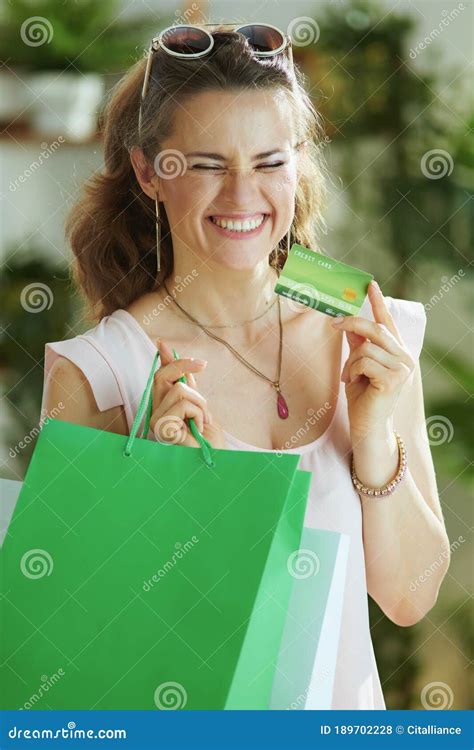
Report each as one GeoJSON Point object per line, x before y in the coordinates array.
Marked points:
{"type": "Point", "coordinates": [234, 120]}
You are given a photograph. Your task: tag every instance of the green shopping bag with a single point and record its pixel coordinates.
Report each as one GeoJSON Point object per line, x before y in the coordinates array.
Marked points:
{"type": "Point", "coordinates": [142, 575]}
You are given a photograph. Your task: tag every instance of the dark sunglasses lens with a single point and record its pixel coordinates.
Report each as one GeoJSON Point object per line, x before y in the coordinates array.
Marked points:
{"type": "Point", "coordinates": [186, 40]}
{"type": "Point", "coordinates": [262, 38]}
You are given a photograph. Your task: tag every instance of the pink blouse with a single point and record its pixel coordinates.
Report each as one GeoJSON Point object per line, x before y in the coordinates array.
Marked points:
{"type": "Point", "coordinates": [104, 354]}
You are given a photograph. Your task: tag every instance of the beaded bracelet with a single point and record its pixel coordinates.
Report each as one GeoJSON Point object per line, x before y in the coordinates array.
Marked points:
{"type": "Point", "coordinates": [393, 484]}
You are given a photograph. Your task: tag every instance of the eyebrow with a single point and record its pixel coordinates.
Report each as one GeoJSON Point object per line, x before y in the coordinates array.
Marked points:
{"type": "Point", "coordinates": [219, 157]}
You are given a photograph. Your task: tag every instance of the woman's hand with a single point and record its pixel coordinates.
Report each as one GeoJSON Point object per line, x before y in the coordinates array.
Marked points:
{"type": "Point", "coordinates": [377, 367]}
{"type": "Point", "coordinates": [174, 402]}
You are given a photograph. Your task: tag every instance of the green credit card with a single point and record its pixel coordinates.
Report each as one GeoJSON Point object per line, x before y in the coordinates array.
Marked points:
{"type": "Point", "coordinates": [322, 283]}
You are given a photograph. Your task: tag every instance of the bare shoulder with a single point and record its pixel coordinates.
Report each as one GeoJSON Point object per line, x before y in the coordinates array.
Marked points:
{"type": "Point", "coordinates": [69, 396]}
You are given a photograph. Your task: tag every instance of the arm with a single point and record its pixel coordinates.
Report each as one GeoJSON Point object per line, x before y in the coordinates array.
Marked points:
{"type": "Point", "coordinates": [69, 394]}
{"type": "Point", "coordinates": [404, 533]}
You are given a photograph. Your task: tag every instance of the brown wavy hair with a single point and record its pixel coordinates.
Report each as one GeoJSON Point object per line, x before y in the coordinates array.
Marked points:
{"type": "Point", "coordinates": [111, 229]}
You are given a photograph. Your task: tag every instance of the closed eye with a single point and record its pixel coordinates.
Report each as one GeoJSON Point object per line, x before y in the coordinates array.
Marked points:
{"type": "Point", "coordinates": [271, 166]}
{"type": "Point", "coordinates": [207, 167]}
{"type": "Point", "coordinates": [210, 168]}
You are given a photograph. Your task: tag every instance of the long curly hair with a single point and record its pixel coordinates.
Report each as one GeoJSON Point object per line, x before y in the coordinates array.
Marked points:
{"type": "Point", "coordinates": [111, 229]}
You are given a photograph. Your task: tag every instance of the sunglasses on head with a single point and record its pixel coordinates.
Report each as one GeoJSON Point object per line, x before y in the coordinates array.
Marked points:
{"type": "Point", "coordinates": [189, 42]}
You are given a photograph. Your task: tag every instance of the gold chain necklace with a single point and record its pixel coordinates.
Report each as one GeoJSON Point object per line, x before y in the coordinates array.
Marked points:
{"type": "Point", "coordinates": [282, 407]}
{"type": "Point", "coordinates": [252, 320]}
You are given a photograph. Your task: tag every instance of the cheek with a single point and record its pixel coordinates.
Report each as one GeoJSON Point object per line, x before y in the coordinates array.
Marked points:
{"type": "Point", "coordinates": [282, 186]}
{"type": "Point", "coordinates": [181, 197]}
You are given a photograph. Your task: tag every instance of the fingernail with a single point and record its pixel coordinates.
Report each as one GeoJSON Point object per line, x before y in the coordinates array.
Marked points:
{"type": "Point", "coordinates": [200, 361]}
{"type": "Point", "coordinates": [338, 320]}
{"type": "Point", "coordinates": [375, 285]}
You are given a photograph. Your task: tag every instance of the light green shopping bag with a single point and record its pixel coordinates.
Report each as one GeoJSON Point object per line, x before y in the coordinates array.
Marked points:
{"type": "Point", "coordinates": [133, 573]}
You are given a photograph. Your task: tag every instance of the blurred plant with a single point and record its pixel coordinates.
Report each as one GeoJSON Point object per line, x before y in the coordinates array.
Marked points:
{"type": "Point", "coordinates": [397, 658]}
{"type": "Point", "coordinates": [454, 457]}
{"type": "Point", "coordinates": [82, 35]}
{"type": "Point", "coordinates": [38, 305]}
{"type": "Point", "coordinates": [420, 177]}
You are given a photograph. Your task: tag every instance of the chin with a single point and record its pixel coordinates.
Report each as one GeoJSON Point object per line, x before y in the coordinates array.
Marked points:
{"type": "Point", "coordinates": [242, 261]}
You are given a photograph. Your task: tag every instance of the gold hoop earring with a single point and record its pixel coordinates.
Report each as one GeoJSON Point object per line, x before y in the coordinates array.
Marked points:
{"type": "Point", "coordinates": [278, 250]}
{"type": "Point", "coordinates": [158, 234]}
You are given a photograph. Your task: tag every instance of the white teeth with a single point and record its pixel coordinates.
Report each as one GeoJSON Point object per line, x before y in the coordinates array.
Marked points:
{"type": "Point", "coordinates": [238, 226]}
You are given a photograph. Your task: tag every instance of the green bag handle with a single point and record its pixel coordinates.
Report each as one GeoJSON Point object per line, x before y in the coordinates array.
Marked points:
{"type": "Point", "coordinates": [146, 403]}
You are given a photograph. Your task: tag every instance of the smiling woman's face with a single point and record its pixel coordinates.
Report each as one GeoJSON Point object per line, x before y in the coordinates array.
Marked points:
{"type": "Point", "coordinates": [240, 166]}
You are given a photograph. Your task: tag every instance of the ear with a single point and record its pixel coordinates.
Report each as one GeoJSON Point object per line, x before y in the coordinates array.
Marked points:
{"type": "Point", "coordinates": [144, 172]}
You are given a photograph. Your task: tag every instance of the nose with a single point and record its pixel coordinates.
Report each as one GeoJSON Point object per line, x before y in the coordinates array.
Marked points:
{"type": "Point", "coordinates": [239, 187]}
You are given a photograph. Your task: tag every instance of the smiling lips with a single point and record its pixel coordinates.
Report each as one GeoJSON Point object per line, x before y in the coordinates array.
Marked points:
{"type": "Point", "coordinates": [239, 225]}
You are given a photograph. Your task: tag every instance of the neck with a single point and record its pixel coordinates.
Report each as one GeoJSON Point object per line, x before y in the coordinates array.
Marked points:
{"type": "Point", "coordinates": [215, 295]}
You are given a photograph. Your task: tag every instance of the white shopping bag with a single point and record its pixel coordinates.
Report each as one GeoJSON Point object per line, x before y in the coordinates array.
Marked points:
{"type": "Point", "coordinates": [306, 664]}
{"type": "Point", "coordinates": [9, 491]}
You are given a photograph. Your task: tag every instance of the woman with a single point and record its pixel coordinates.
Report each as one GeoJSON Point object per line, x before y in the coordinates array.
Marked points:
{"type": "Point", "coordinates": [219, 154]}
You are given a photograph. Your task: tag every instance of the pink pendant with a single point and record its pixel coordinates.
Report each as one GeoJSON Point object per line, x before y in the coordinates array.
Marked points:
{"type": "Point", "coordinates": [282, 406]}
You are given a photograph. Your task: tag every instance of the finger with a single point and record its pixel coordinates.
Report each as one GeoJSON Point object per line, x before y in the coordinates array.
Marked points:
{"type": "Point", "coordinates": [370, 330]}
{"type": "Point", "coordinates": [192, 382]}
{"type": "Point", "coordinates": [174, 430]}
{"type": "Point", "coordinates": [215, 435]}
{"type": "Point", "coordinates": [166, 353]}
{"type": "Point", "coordinates": [167, 375]}
{"type": "Point", "coordinates": [380, 309]}
{"type": "Point", "coordinates": [378, 374]}
{"type": "Point", "coordinates": [354, 340]}
{"type": "Point", "coordinates": [184, 392]}
{"type": "Point", "coordinates": [367, 349]}
{"type": "Point", "coordinates": [170, 426]}
{"type": "Point", "coordinates": [167, 358]}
